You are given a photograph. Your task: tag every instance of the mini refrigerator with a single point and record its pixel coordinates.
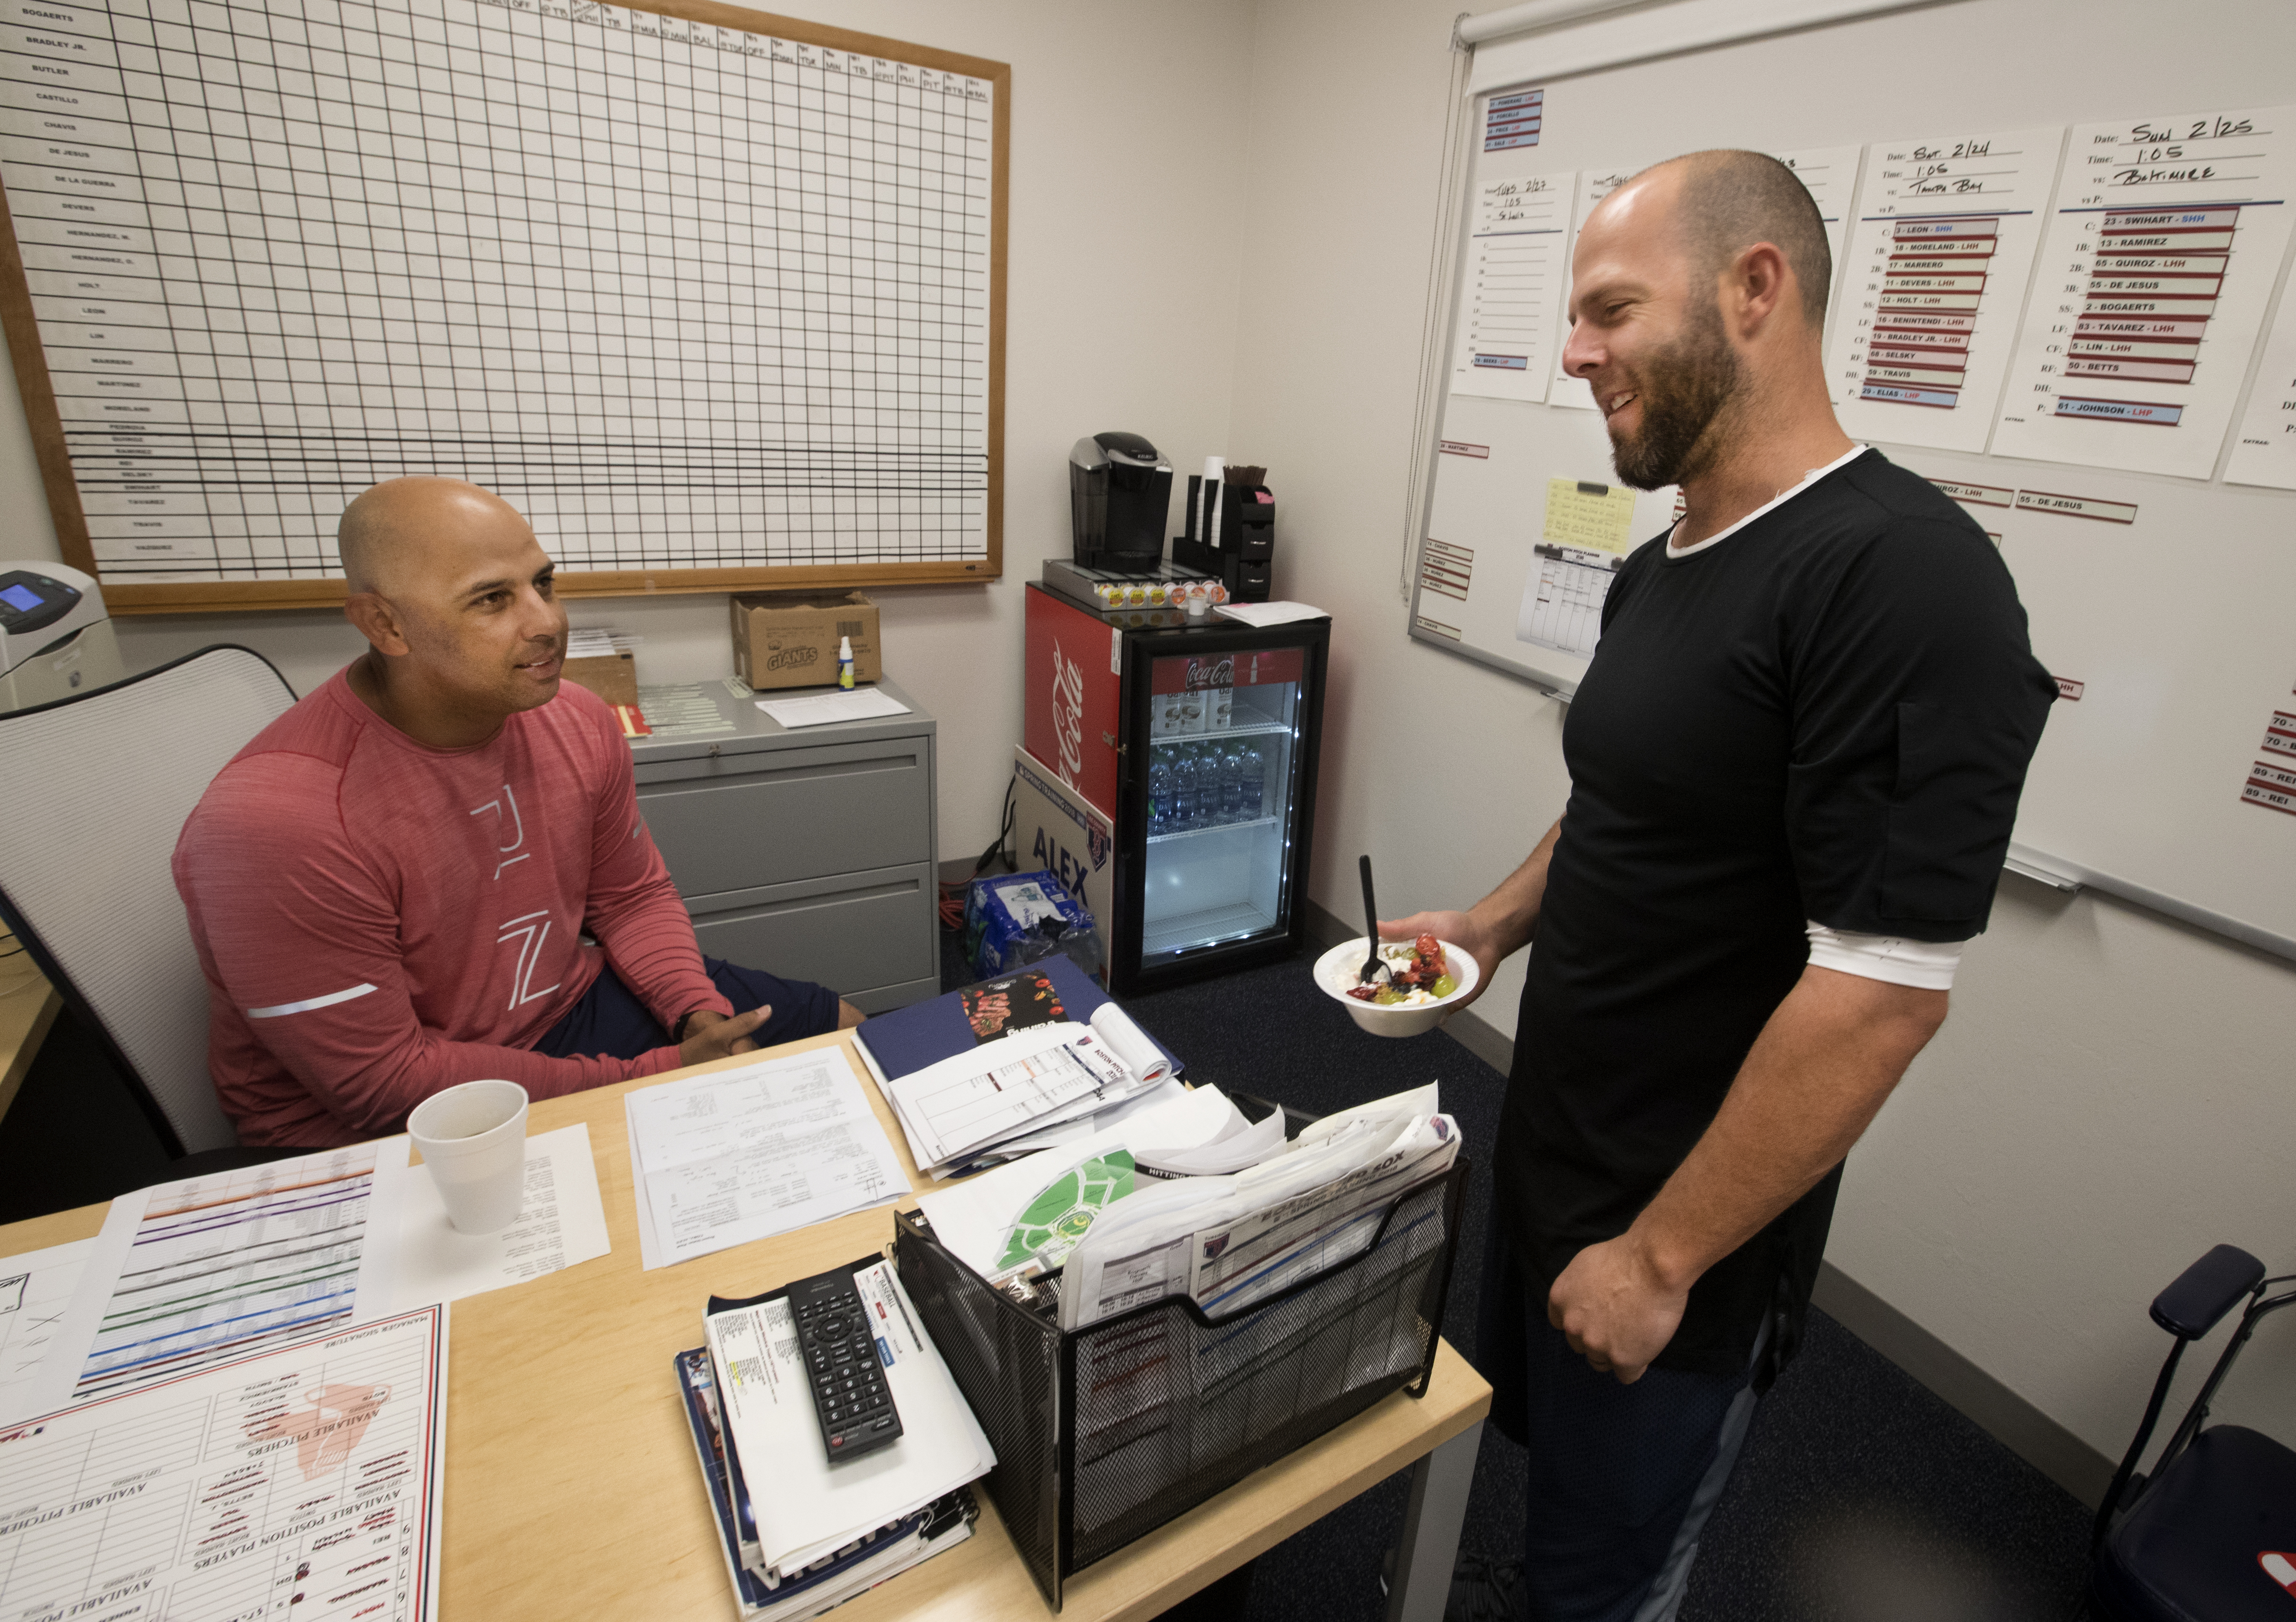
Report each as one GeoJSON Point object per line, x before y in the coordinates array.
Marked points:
{"type": "Point", "coordinates": [1198, 741]}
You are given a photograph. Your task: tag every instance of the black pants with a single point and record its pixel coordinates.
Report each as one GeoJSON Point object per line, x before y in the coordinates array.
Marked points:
{"type": "Point", "coordinates": [1622, 1477]}
{"type": "Point", "coordinates": [610, 1022]}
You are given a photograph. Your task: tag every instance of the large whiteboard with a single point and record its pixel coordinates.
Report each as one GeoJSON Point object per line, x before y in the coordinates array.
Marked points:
{"type": "Point", "coordinates": [2161, 600]}
{"type": "Point", "coordinates": [705, 296]}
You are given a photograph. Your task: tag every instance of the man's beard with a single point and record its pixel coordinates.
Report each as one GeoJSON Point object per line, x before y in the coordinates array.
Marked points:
{"type": "Point", "coordinates": [1681, 390]}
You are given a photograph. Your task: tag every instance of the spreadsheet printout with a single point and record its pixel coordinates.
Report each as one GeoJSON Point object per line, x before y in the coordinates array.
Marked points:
{"type": "Point", "coordinates": [2155, 275]}
{"type": "Point", "coordinates": [302, 1482]}
{"type": "Point", "coordinates": [686, 296]}
{"type": "Point", "coordinates": [193, 1273]}
{"type": "Point", "coordinates": [1941, 255]}
{"type": "Point", "coordinates": [1563, 600]}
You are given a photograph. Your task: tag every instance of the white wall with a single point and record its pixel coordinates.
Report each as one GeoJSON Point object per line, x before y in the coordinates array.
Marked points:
{"type": "Point", "coordinates": [1126, 121]}
{"type": "Point", "coordinates": [2112, 1093]}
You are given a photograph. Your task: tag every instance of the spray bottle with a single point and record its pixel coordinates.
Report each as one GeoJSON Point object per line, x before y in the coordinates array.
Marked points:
{"type": "Point", "coordinates": [845, 662]}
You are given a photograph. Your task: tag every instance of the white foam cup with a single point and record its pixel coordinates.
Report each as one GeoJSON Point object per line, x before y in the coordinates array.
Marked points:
{"type": "Point", "coordinates": [473, 1139]}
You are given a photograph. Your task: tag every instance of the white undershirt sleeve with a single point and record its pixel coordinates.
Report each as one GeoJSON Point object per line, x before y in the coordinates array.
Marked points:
{"type": "Point", "coordinates": [1927, 964]}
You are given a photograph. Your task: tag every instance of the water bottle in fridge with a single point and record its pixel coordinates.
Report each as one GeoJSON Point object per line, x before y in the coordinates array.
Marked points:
{"type": "Point", "coordinates": [1252, 781]}
{"type": "Point", "coordinates": [1231, 772]}
{"type": "Point", "coordinates": [1160, 794]}
{"type": "Point", "coordinates": [1184, 789]}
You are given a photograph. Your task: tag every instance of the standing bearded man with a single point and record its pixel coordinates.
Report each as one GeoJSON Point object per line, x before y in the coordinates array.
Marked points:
{"type": "Point", "coordinates": [1795, 761]}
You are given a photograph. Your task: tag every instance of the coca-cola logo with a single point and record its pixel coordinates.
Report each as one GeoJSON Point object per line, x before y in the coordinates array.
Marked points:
{"type": "Point", "coordinates": [1219, 673]}
{"type": "Point", "coordinates": [1068, 715]}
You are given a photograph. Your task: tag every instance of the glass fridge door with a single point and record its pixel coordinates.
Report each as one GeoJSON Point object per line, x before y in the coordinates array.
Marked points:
{"type": "Point", "coordinates": [1224, 741]}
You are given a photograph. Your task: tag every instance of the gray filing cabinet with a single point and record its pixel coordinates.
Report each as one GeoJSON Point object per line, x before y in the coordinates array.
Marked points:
{"type": "Point", "coordinates": [808, 853]}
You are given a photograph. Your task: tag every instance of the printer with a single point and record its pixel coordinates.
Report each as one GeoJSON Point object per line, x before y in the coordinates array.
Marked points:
{"type": "Point", "coordinates": [55, 635]}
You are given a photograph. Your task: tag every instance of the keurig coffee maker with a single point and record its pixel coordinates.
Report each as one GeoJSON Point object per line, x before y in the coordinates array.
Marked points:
{"type": "Point", "coordinates": [1120, 490]}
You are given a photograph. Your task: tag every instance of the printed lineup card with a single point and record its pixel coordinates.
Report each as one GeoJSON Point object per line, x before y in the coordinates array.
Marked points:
{"type": "Point", "coordinates": [1517, 257]}
{"type": "Point", "coordinates": [1940, 251]}
{"type": "Point", "coordinates": [2156, 274]}
{"type": "Point", "coordinates": [2264, 452]}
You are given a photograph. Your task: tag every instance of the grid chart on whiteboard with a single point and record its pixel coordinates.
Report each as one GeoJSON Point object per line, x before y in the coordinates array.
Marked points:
{"type": "Point", "coordinates": [688, 297]}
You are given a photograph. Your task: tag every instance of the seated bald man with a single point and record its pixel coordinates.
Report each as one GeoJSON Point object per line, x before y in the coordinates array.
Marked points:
{"type": "Point", "coordinates": [389, 887]}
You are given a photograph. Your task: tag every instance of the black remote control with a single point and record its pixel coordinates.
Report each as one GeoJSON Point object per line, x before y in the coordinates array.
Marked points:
{"type": "Point", "coordinates": [843, 1365]}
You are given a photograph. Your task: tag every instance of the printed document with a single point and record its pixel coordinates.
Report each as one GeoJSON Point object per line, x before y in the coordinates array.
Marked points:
{"type": "Point", "coordinates": [204, 1270]}
{"type": "Point", "coordinates": [974, 1218]}
{"type": "Point", "coordinates": [821, 709]}
{"type": "Point", "coordinates": [312, 1470]}
{"type": "Point", "coordinates": [1230, 1241]}
{"type": "Point", "coordinates": [804, 1506]}
{"type": "Point", "coordinates": [561, 1221]}
{"type": "Point", "coordinates": [724, 1158]}
{"type": "Point", "coordinates": [2166, 241]}
{"type": "Point", "coordinates": [1024, 1082]}
{"type": "Point", "coordinates": [36, 1288]}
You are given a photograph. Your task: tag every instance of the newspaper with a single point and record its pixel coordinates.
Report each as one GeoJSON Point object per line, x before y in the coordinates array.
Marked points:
{"type": "Point", "coordinates": [1230, 1241]}
{"type": "Point", "coordinates": [975, 1218]}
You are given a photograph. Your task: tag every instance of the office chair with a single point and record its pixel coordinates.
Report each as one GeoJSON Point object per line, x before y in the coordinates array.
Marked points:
{"type": "Point", "coordinates": [94, 793]}
{"type": "Point", "coordinates": [2211, 1536]}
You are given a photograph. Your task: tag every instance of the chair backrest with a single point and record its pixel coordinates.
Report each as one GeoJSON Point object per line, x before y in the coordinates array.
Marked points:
{"type": "Point", "coordinates": [94, 793]}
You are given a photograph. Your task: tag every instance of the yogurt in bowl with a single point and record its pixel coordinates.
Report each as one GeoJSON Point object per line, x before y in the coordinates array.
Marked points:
{"type": "Point", "coordinates": [1412, 1004]}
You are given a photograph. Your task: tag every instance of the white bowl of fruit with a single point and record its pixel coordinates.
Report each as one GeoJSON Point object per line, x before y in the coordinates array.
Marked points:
{"type": "Point", "coordinates": [1417, 986]}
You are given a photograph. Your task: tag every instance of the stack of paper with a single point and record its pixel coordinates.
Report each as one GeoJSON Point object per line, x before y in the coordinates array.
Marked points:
{"type": "Point", "coordinates": [600, 642]}
{"type": "Point", "coordinates": [736, 1155]}
{"type": "Point", "coordinates": [1020, 1091]}
{"type": "Point", "coordinates": [310, 1469]}
{"type": "Point", "coordinates": [1227, 1242]}
{"type": "Point", "coordinates": [801, 1534]}
{"type": "Point", "coordinates": [976, 1220]}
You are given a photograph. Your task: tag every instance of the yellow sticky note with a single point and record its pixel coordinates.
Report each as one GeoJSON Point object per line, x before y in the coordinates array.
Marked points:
{"type": "Point", "coordinates": [1590, 517]}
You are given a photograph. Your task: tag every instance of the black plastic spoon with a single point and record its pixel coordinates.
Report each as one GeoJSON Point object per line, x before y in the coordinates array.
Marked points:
{"type": "Point", "coordinates": [1371, 928]}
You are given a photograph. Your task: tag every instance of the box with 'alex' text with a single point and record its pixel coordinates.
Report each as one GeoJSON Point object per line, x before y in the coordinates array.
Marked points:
{"type": "Point", "coordinates": [1059, 829]}
{"type": "Point", "coordinates": [789, 639]}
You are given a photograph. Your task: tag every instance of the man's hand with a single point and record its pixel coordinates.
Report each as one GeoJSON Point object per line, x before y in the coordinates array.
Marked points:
{"type": "Point", "coordinates": [1499, 923]}
{"type": "Point", "coordinates": [1613, 1308]}
{"type": "Point", "coordinates": [1460, 929]}
{"type": "Point", "coordinates": [711, 1035]}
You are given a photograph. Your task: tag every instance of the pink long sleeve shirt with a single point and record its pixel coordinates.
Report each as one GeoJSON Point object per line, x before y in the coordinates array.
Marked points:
{"type": "Point", "coordinates": [379, 920]}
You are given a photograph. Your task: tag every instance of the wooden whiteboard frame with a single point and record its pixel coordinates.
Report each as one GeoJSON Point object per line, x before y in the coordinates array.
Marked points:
{"type": "Point", "coordinates": [30, 354]}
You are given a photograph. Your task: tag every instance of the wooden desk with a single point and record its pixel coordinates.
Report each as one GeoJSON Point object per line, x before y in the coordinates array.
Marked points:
{"type": "Point", "coordinates": [29, 1006]}
{"type": "Point", "coordinates": [571, 1487]}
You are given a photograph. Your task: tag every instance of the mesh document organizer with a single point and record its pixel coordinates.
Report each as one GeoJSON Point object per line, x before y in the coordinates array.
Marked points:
{"type": "Point", "coordinates": [1107, 1432]}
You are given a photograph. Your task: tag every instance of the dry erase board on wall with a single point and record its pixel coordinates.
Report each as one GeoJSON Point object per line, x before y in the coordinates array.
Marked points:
{"type": "Point", "coordinates": [2061, 235]}
{"type": "Point", "coordinates": [716, 297]}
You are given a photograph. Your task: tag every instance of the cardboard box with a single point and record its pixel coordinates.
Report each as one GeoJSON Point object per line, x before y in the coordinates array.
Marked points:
{"type": "Point", "coordinates": [614, 678]}
{"type": "Point", "coordinates": [1058, 830]}
{"type": "Point", "coordinates": [789, 639]}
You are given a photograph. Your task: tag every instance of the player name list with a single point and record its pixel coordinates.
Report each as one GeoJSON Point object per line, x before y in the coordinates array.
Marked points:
{"type": "Point", "coordinates": [691, 297]}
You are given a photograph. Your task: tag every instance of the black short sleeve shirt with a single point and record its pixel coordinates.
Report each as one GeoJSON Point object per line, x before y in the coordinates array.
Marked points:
{"type": "Point", "coordinates": [1825, 717]}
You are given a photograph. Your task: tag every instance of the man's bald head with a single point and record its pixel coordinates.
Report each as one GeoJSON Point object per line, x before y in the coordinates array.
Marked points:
{"type": "Point", "coordinates": [403, 533]}
{"type": "Point", "coordinates": [1724, 202]}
